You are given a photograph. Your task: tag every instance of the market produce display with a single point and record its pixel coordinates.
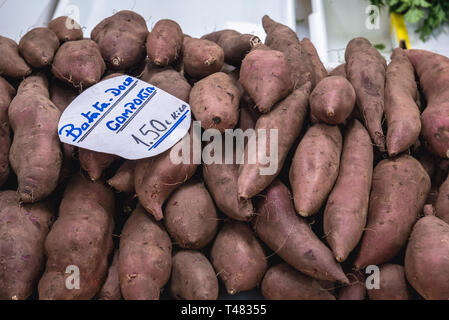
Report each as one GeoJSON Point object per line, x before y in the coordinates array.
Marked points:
{"type": "Point", "coordinates": [348, 200]}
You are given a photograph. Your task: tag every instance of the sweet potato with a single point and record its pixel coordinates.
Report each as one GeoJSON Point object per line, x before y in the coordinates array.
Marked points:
{"type": "Point", "coordinates": [215, 102]}
{"type": "Point", "coordinates": [35, 154]}
{"type": "Point", "coordinates": [302, 57]}
{"type": "Point", "coordinates": [94, 163]}
{"type": "Point", "coordinates": [193, 277]}
{"type": "Point", "coordinates": [79, 63]}
{"type": "Point", "coordinates": [392, 286]}
{"type": "Point", "coordinates": [365, 69]}
{"type": "Point", "coordinates": [315, 166]}
{"type": "Point", "coordinates": [11, 63]}
{"type": "Point", "coordinates": [66, 29]}
{"type": "Point", "coordinates": [61, 94]}
{"type": "Point", "coordinates": [238, 258]}
{"type": "Point", "coordinates": [332, 100]}
{"type": "Point", "coordinates": [248, 115]}
{"type": "Point", "coordinates": [287, 118]}
{"type": "Point", "coordinates": [426, 263]}
{"type": "Point", "coordinates": [145, 257]}
{"type": "Point", "coordinates": [202, 58]}
{"type": "Point", "coordinates": [339, 71]}
{"type": "Point", "coordinates": [442, 203]}
{"type": "Point", "coordinates": [401, 111]}
{"type": "Point", "coordinates": [38, 47]}
{"type": "Point", "coordinates": [81, 238]}
{"type": "Point", "coordinates": [347, 206]}
{"type": "Point", "coordinates": [111, 287]}
{"type": "Point", "coordinates": [156, 178]}
{"type": "Point", "coordinates": [6, 94]}
{"type": "Point", "coordinates": [290, 236]}
{"type": "Point", "coordinates": [282, 282]}
{"type": "Point", "coordinates": [172, 82]}
{"type": "Point", "coordinates": [23, 230]}
{"type": "Point", "coordinates": [234, 44]}
{"type": "Point", "coordinates": [123, 180]}
{"type": "Point", "coordinates": [164, 42]}
{"type": "Point", "coordinates": [399, 191]}
{"type": "Point", "coordinates": [190, 216]}
{"type": "Point", "coordinates": [432, 70]}
{"type": "Point", "coordinates": [121, 39]}
{"type": "Point", "coordinates": [356, 290]}
{"type": "Point", "coordinates": [265, 75]}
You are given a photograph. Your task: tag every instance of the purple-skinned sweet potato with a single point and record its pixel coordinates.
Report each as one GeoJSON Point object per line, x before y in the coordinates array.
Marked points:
{"type": "Point", "coordinates": [347, 206]}
{"type": "Point", "coordinates": [164, 43]}
{"type": "Point", "coordinates": [399, 191]}
{"type": "Point", "coordinates": [121, 39]}
{"type": "Point", "coordinates": [238, 258]}
{"type": "Point", "coordinates": [123, 180]}
{"type": "Point", "coordinates": [79, 63]}
{"type": "Point", "coordinates": [291, 237]}
{"type": "Point", "coordinates": [190, 216]}
{"type": "Point", "coordinates": [35, 154]}
{"type": "Point", "coordinates": [432, 70]}
{"type": "Point", "coordinates": [6, 94]}
{"type": "Point", "coordinates": [265, 75]}
{"type": "Point", "coordinates": [145, 257]}
{"type": "Point", "coordinates": [426, 262]}
{"type": "Point", "coordinates": [287, 117]}
{"type": "Point", "coordinates": [80, 242]}
{"type": "Point", "coordinates": [365, 69]}
{"type": "Point", "coordinates": [94, 163]}
{"type": "Point", "coordinates": [193, 277]}
{"type": "Point", "coordinates": [401, 111]}
{"type": "Point", "coordinates": [23, 229]}
{"type": "Point", "coordinates": [392, 284]}
{"type": "Point", "coordinates": [66, 29]}
{"type": "Point", "coordinates": [339, 71]}
{"type": "Point", "coordinates": [12, 64]}
{"type": "Point", "coordinates": [356, 289]}
{"type": "Point", "coordinates": [315, 168]}
{"type": "Point", "coordinates": [38, 47]}
{"type": "Point", "coordinates": [282, 282]}
{"type": "Point", "coordinates": [170, 81]}
{"type": "Point", "coordinates": [201, 57]}
{"type": "Point", "coordinates": [442, 203]}
{"type": "Point", "coordinates": [111, 287]}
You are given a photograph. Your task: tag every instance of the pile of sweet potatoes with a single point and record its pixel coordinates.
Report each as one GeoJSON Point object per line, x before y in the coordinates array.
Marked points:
{"type": "Point", "coordinates": [360, 173]}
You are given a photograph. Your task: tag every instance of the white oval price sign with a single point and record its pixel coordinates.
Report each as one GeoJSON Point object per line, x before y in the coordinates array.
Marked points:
{"type": "Point", "coordinates": [126, 117]}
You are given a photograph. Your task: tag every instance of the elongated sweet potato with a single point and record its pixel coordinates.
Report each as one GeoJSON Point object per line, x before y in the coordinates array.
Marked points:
{"type": "Point", "coordinates": [399, 191]}
{"type": "Point", "coordinates": [426, 263]}
{"type": "Point", "coordinates": [121, 39]}
{"type": "Point", "coordinates": [94, 163]}
{"type": "Point", "coordinates": [282, 282]}
{"type": "Point", "coordinates": [201, 58]}
{"type": "Point", "coordinates": [238, 258]}
{"type": "Point", "coordinates": [35, 154]}
{"type": "Point", "coordinates": [265, 75]}
{"type": "Point", "coordinates": [392, 284]}
{"type": "Point", "coordinates": [66, 29]}
{"type": "Point", "coordinates": [234, 44]}
{"type": "Point", "coordinates": [347, 206]}
{"type": "Point", "coordinates": [170, 81]}
{"type": "Point", "coordinates": [111, 287]}
{"type": "Point", "coordinates": [164, 42]}
{"type": "Point", "coordinates": [190, 216]}
{"type": "Point", "coordinates": [39, 47]}
{"type": "Point", "coordinates": [339, 71]}
{"type": "Point", "coordinates": [145, 257]}
{"type": "Point", "coordinates": [442, 203]}
{"type": "Point", "coordinates": [315, 166]}
{"type": "Point", "coordinates": [290, 236]}
{"type": "Point", "coordinates": [80, 243]}
{"type": "Point", "coordinates": [215, 102]}
{"type": "Point", "coordinates": [332, 100]}
{"type": "Point", "coordinates": [155, 179]}
{"type": "Point", "coordinates": [401, 111]}
{"type": "Point", "coordinates": [79, 63]}
{"type": "Point", "coordinates": [356, 289]}
{"type": "Point", "coordinates": [6, 94]}
{"type": "Point", "coordinates": [23, 230]}
{"type": "Point", "coordinates": [123, 180]}
{"type": "Point", "coordinates": [287, 118]}
{"type": "Point", "coordinates": [365, 69]}
{"type": "Point", "coordinates": [302, 58]}
{"type": "Point", "coordinates": [432, 70]}
{"type": "Point", "coordinates": [11, 63]}
{"type": "Point", "coordinates": [62, 94]}
{"type": "Point", "coordinates": [193, 277]}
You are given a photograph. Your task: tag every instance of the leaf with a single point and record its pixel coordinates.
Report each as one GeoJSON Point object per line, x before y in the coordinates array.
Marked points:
{"type": "Point", "coordinates": [414, 15]}
{"type": "Point", "coordinates": [379, 46]}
